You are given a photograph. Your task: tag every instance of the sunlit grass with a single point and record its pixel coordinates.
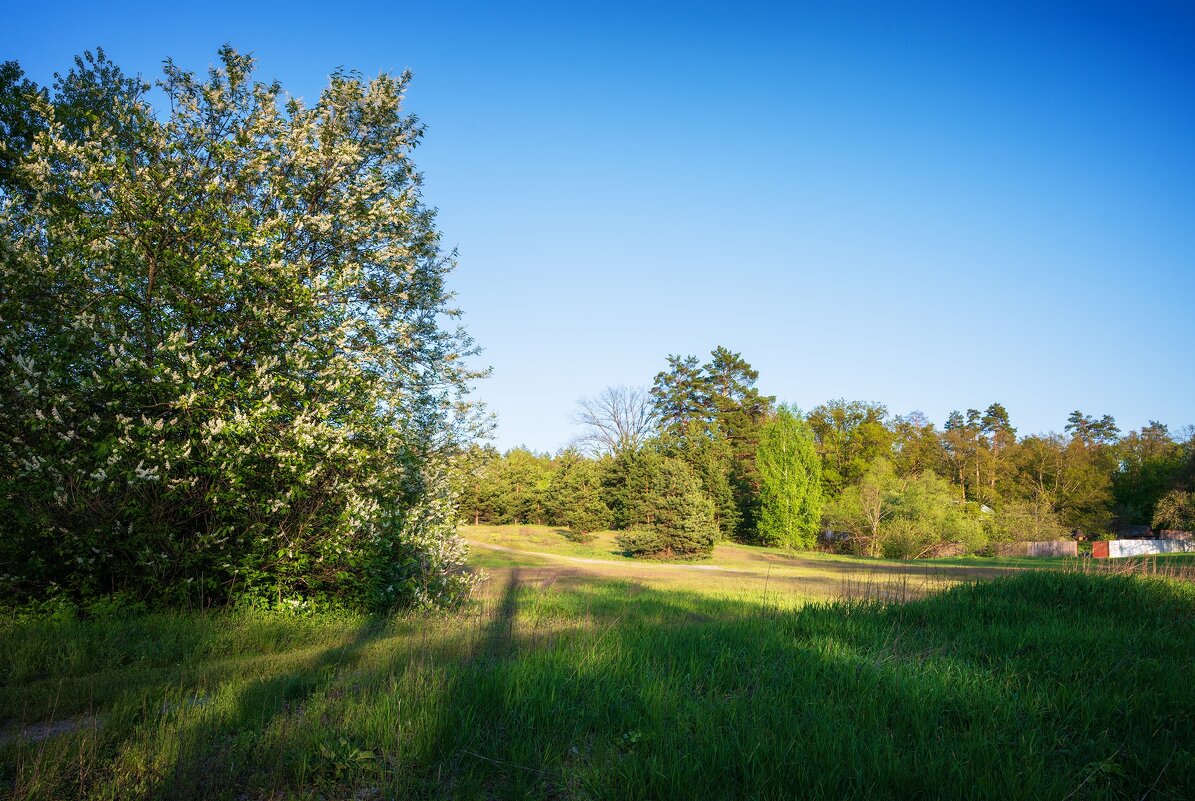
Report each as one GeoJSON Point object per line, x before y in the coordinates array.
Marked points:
{"type": "Point", "coordinates": [604, 545]}
{"type": "Point", "coordinates": [733, 570]}
{"type": "Point", "coordinates": [1031, 686]}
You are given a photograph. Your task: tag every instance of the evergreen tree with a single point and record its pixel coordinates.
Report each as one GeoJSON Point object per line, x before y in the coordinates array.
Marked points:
{"type": "Point", "coordinates": [999, 438]}
{"type": "Point", "coordinates": [615, 474]}
{"type": "Point", "coordinates": [958, 440]}
{"type": "Point", "coordinates": [719, 403]}
{"type": "Point", "coordinates": [574, 497]}
{"type": "Point", "coordinates": [709, 456]}
{"type": "Point", "coordinates": [474, 498]}
{"type": "Point", "coordinates": [681, 398]}
{"type": "Point", "coordinates": [515, 488]}
{"type": "Point", "coordinates": [739, 411]}
{"type": "Point", "coordinates": [669, 515]}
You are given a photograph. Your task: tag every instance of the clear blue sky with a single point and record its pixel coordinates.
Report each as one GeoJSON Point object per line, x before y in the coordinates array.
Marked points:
{"type": "Point", "coordinates": [920, 204]}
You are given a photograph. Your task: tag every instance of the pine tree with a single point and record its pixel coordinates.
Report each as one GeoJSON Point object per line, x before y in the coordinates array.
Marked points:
{"type": "Point", "coordinates": [669, 514]}
{"type": "Point", "coordinates": [574, 497]}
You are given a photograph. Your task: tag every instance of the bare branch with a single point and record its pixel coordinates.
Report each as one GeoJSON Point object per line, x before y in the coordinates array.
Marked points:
{"type": "Point", "coordinates": [619, 420]}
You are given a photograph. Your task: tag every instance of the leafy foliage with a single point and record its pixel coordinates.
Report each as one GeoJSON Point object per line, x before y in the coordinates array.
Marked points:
{"type": "Point", "coordinates": [223, 369]}
{"type": "Point", "coordinates": [895, 485]}
{"type": "Point", "coordinates": [1176, 510]}
{"type": "Point", "coordinates": [790, 482]}
{"type": "Point", "coordinates": [575, 497]}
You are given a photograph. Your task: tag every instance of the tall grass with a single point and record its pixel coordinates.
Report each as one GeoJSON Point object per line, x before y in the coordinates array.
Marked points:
{"type": "Point", "coordinates": [1042, 685]}
{"type": "Point", "coordinates": [1178, 567]}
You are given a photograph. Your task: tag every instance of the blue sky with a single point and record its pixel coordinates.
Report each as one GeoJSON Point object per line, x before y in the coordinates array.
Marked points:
{"type": "Point", "coordinates": [926, 205]}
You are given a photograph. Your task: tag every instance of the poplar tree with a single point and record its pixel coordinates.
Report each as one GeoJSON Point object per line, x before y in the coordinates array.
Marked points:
{"type": "Point", "coordinates": [790, 482]}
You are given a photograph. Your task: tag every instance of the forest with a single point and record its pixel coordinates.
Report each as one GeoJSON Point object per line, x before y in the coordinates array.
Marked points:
{"type": "Point", "coordinates": [702, 446]}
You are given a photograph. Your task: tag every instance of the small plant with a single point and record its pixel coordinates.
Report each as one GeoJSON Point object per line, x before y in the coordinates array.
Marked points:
{"type": "Point", "coordinates": [578, 535]}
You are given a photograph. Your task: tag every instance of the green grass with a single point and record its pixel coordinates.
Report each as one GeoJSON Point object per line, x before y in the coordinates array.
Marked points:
{"type": "Point", "coordinates": [743, 571]}
{"type": "Point", "coordinates": [1041, 685]}
{"type": "Point", "coordinates": [554, 541]}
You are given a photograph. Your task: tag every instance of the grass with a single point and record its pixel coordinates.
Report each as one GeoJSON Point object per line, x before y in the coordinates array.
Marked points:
{"type": "Point", "coordinates": [553, 540]}
{"type": "Point", "coordinates": [733, 569]}
{"type": "Point", "coordinates": [1041, 685]}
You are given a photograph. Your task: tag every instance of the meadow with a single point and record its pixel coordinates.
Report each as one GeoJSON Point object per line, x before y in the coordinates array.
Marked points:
{"type": "Point", "coordinates": [574, 679]}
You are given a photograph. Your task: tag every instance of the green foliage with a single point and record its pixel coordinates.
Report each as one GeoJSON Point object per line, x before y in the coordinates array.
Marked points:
{"type": "Point", "coordinates": [790, 482]}
{"type": "Point", "coordinates": [719, 401]}
{"type": "Point", "coordinates": [924, 515]}
{"type": "Point", "coordinates": [977, 450]}
{"type": "Point", "coordinates": [860, 510]}
{"type": "Point", "coordinates": [574, 497]}
{"type": "Point", "coordinates": [222, 366]}
{"type": "Point", "coordinates": [916, 446]}
{"type": "Point", "coordinates": [514, 488]}
{"type": "Point", "coordinates": [1071, 477]}
{"type": "Point", "coordinates": [850, 436]}
{"type": "Point", "coordinates": [709, 456]}
{"type": "Point", "coordinates": [1151, 465]}
{"type": "Point", "coordinates": [474, 465]}
{"type": "Point", "coordinates": [668, 513]}
{"type": "Point", "coordinates": [1175, 510]}
{"type": "Point", "coordinates": [681, 398]}
{"type": "Point", "coordinates": [905, 518]}
{"type": "Point", "coordinates": [1023, 521]}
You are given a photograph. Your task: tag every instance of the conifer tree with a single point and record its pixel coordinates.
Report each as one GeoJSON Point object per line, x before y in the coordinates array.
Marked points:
{"type": "Point", "coordinates": [669, 514]}
{"type": "Point", "coordinates": [575, 496]}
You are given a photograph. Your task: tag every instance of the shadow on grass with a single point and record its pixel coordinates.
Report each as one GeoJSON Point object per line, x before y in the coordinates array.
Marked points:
{"type": "Point", "coordinates": [1038, 686]}
{"type": "Point", "coordinates": [984, 691]}
{"type": "Point", "coordinates": [210, 745]}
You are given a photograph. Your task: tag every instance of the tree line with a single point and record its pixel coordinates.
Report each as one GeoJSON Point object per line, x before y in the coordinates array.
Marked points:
{"type": "Point", "coordinates": [703, 455]}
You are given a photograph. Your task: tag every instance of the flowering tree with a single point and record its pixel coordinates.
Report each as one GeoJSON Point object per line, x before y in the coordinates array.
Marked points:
{"type": "Point", "coordinates": [228, 362]}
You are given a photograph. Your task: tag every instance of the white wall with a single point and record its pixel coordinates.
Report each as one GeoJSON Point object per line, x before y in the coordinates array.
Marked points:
{"type": "Point", "coordinates": [1146, 547]}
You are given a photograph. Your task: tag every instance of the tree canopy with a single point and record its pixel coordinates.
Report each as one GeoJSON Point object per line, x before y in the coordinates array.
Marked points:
{"type": "Point", "coordinates": [790, 482]}
{"type": "Point", "coordinates": [224, 364]}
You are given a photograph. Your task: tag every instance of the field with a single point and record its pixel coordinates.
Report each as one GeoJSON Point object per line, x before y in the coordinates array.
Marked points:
{"type": "Point", "coordinates": [749, 573]}
{"type": "Point", "coordinates": [769, 676]}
